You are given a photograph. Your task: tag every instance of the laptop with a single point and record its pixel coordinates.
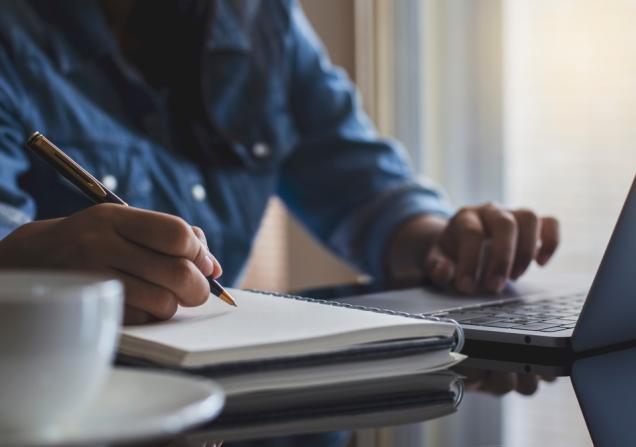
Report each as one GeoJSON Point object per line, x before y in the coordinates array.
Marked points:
{"type": "Point", "coordinates": [556, 317]}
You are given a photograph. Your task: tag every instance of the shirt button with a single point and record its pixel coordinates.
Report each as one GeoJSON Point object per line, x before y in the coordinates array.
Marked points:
{"type": "Point", "coordinates": [198, 192]}
{"type": "Point", "coordinates": [260, 150]}
{"type": "Point", "coordinates": [110, 182]}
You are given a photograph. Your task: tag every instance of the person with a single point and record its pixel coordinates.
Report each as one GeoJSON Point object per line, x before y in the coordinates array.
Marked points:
{"type": "Point", "coordinates": [196, 113]}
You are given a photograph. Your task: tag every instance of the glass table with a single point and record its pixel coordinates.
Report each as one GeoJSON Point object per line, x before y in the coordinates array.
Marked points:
{"type": "Point", "coordinates": [514, 398]}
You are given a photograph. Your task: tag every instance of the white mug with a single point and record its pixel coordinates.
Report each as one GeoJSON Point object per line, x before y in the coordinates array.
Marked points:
{"type": "Point", "coordinates": [58, 334]}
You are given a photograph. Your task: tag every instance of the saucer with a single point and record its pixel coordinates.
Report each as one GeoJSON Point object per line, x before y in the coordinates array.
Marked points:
{"type": "Point", "coordinates": [134, 404]}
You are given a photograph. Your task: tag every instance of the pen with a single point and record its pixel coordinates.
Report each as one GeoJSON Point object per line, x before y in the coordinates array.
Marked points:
{"type": "Point", "coordinates": [92, 188]}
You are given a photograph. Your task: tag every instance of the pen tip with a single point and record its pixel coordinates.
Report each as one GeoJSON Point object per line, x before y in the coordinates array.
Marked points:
{"type": "Point", "coordinates": [227, 298]}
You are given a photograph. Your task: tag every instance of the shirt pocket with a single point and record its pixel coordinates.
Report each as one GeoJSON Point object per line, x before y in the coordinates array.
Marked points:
{"type": "Point", "coordinates": [118, 163]}
{"type": "Point", "coordinates": [251, 109]}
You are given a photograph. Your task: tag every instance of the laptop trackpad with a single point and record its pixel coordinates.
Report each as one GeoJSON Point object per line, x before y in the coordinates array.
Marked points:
{"type": "Point", "coordinates": [421, 300]}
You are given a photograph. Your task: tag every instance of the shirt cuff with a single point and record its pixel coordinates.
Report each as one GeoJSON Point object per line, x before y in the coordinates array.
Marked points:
{"type": "Point", "coordinates": [363, 238]}
{"type": "Point", "coordinates": [10, 219]}
{"type": "Point", "coordinates": [5, 229]}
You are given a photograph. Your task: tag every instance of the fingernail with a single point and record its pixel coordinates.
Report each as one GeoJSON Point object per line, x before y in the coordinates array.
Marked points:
{"type": "Point", "coordinates": [543, 259]}
{"type": "Point", "coordinates": [217, 267]}
{"type": "Point", "coordinates": [497, 284]}
{"type": "Point", "coordinates": [466, 284]}
{"type": "Point", "coordinates": [207, 266]}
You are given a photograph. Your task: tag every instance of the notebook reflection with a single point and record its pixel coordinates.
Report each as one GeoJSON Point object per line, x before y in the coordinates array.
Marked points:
{"type": "Point", "coordinates": [330, 413]}
{"type": "Point", "coordinates": [333, 439]}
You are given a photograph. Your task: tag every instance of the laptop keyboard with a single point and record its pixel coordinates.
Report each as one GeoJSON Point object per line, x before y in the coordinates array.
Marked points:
{"type": "Point", "coordinates": [549, 315]}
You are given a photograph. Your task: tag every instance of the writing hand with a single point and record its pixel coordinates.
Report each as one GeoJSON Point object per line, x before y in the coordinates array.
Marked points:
{"type": "Point", "coordinates": [162, 261]}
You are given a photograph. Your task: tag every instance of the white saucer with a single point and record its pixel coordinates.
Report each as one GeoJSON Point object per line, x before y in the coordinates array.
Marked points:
{"type": "Point", "coordinates": [134, 404]}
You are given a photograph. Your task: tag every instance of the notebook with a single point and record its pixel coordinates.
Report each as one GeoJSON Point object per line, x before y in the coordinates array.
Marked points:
{"type": "Point", "coordinates": [269, 331]}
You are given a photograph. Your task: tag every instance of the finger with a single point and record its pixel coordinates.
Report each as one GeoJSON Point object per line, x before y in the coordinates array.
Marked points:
{"type": "Point", "coordinates": [439, 269]}
{"type": "Point", "coordinates": [218, 270]}
{"type": "Point", "coordinates": [160, 232]}
{"type": "Point", "coordinates": [207, 263]}
{"type": "Point", "coordinates": [149, 298]}
{"type": "Point", "coordinates": [178, 275]}
{"type": "Point", "coordinates": [549, 239]}
{"type": "Point", "coordinates": [501, 226]}
{"type": "Point", "coordinates": [134, 316]}
{"type": "Point", "coordinates": [473, 377]}
{"type": "Point", "coordinates": [500, 383]}
{"type": "Point", "coordinates": [474, 383]}
{"type": "Point", "coordinates": [467, 234]}
{"type": "Point", "coordinates": [527, 384]}
{"type": "Point", "coordinates": [528, 236]}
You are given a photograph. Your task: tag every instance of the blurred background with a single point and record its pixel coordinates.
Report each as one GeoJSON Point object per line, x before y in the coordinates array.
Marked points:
{"type": "Point", "coordinates": [524, 102]}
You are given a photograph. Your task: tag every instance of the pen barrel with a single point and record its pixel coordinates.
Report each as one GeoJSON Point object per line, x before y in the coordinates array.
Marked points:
{"type": "Point", "coordinates": [70, 170]}
{"type": "Point", "coordinates": [215, 287]}
{"type": "Point", "coordinates": [111, 197]}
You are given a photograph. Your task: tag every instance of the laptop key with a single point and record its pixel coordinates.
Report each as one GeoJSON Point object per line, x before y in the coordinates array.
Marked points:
{"type": "Point", "coordinates": [520, 321]}
{"type": "Point", "coordinates": [528, 313]}
{"type": "Point", "coordinates": [552, 329]}
{"type": "Point", "coordinates": [549, 316]}
{"type": "Point", "coordinates": [464, 317]}
{"type": "Point", "coordinates": [557, 321]}
{"type": "Point", "coordinates": [511, 315]}
{"type": "Point", "coordinates": [501, 324]}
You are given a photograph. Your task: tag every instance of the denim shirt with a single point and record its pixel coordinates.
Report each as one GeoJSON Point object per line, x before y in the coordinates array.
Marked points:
{"type": "Point", "coordinates": [304, 138]}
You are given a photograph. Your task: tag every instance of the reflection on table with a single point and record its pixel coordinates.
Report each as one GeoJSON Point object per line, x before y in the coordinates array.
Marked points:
{"type": "Point", "coordinates": [333, 410]}
{"type": "Point", "coordinates": [511, 398]}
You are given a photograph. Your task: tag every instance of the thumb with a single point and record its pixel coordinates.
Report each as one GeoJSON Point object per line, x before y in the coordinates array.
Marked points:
{"type": "Point", "coordinates": [438, 267]}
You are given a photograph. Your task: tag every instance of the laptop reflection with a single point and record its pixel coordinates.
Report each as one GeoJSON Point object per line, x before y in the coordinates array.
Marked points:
{"type": "Point", "coordinates": [606, 390]}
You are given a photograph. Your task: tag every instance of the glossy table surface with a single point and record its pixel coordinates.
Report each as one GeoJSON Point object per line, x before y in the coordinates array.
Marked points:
{"type": "Point", "coordinates": [499, 406]}
{"type": "Point", "coordinates": [506, 397]}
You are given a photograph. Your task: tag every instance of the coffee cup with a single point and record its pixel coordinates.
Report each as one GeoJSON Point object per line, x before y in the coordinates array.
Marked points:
{"type": "Point", "coordinates": [58, 334]}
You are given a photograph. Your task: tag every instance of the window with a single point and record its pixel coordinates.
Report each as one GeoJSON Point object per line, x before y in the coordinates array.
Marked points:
{"type": "Point", "coordinates": [527, 102]}
{"type": "Point", "coordinates": [570, 109]}
{"type": "Point", "coordinates": [569, 143]}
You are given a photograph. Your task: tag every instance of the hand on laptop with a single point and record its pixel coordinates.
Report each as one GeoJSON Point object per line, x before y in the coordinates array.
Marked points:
{"type": "Point", "coordinates": [479, 247]}
{"type": "Point", "coordinates": [161, 260]}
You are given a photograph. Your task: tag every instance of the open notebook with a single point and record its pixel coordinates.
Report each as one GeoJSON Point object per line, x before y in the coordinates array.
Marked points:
{"type": "Point", "coordinates": [269, 331]}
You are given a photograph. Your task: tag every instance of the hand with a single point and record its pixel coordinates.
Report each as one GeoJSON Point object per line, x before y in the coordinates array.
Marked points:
{"type": "Point", "coordinates": [500, 383]}
{"type": "Point", "coordinates": [162, 261]}
{"type": "Point", "coordinates": [482, 245]}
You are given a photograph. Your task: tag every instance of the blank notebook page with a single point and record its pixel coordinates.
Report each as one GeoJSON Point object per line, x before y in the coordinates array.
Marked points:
{"type": "Point", "coordinates": [264, 325]}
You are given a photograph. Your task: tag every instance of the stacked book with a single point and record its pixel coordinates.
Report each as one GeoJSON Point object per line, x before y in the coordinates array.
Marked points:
{"type": "Point", "coordinates": [282, 344]}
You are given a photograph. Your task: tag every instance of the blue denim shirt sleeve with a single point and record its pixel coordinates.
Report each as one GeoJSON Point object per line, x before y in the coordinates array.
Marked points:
{"type": "Point", "coordinates": [348, 186]}
{"type": "Point", "coordinates": [16, 206]}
